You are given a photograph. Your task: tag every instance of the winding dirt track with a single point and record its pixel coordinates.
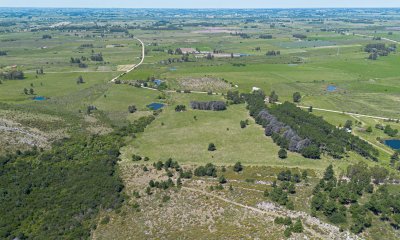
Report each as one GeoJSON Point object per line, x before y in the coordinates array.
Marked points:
{"type": "Point", "coordinates": [309, 223]}
{"type": "Point", "coordinates": [134, 66]}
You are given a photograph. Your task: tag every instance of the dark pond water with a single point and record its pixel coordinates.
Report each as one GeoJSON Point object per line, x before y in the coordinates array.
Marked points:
{"type": "Point", "coordinates": [155, 106]}
{"type": "Point", "coordinates": [331, 88]}
{"type": "Point", "coordinates": [39, 98]}
{"type": "Point", "coordinates": [393, 143]}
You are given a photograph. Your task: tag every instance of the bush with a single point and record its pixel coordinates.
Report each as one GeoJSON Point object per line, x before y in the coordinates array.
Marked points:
{"type": "Point", "coordinates": [136, 158]}
{"type": "Point", "coordinates": [282, 153]}
{"type": "Point", "coordinates": [296, 97]}
{"type": "Point", "coordinates": [132, 109]}
{"type": "Point", "coordinates": [238, 167]}
{"type": "Point", "coordinates": [222, 179]}
{"type": "Point", "coordinates": [243, 124]}
{"type": "Point", "coordinates": [180, 108]}
{"type": "Point", "coordinates": [211, 147]}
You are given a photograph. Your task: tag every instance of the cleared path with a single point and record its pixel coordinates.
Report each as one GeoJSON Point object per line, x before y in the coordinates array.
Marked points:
{"type": "Point", "coordinates": [329, 231]}
{"type": "Point", "coordinates": [134, 66]}
{"type": "Point", "coordinates": [386, 39]}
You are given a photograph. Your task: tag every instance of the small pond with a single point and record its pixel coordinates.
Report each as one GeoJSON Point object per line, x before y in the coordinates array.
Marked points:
{"type": "Point", "coordinates": [39, 98]}
{"type": "Point", "coordinates": [173, 69]}
{"type": "Point", "coordinates": [331, 88]}
{"type": "Point", "coordinates": [155, 106]}
{"type": "Point", "coordinates": [393, 143]}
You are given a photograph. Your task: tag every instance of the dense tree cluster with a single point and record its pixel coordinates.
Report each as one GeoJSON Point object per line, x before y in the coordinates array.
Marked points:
{"type": "Point", "coordinates": [299, 131]}
{"type": "Point", "coordinates": [234, 97]}
{"type": "Point", "coordinates": [255, 102]}
{"type": "Point", "coordinates": [3, 53]}
{"type": "Point", "coordinates": [299, 36]}
{"type": "Point", "coordinates": [161, 184]}
{"type": "Point", "coordinates": [331, 195]}
{"type": "Point", "coordinates": [97, 57]}
{"type": "Point", "coordinates": [241, 34]}
{"type": "Point", "coordinates": [208, 170]}
{"type": "Point", "coordinates": [169, 164]}
{"type": "Point", "coordinates": [279, 194]}
{"type": "Point", "coordinates": [48, 194]}
{"type": "Point", "coordinates": [265, 36]}
{"type": "Point", "coordinates": [318, 133]}
{"type": "Point", "coordinates": [12, 75]}
{"type": "Point", "coordinates": [284, 135]}
{"type": "Point", "coordinates": [390, 131]}
{"type": "Point", "coordinates": [180, 108]}
{"type": "Point", "coordinates": [378, 49]}
{"type": "Point", "coordinates": [288, 176]}
{"type": "Point", "coordinates": [273, 53]}
{"type": "Point", "coordinates": [137, 126]}
{"type": "Point", "coordinates": [212, 105]}
{"type": "Point", "coordinates": [87, 45]}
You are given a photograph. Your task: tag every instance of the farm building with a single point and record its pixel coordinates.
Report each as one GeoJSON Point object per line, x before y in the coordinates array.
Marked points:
{"type": "Point", "coordinates": [158, 82]}
{"type": "Point", "coordinates": [255, 89]}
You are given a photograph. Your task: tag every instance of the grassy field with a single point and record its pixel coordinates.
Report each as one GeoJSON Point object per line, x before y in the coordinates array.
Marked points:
{"type": "Point", "coordinates": [326, 57]}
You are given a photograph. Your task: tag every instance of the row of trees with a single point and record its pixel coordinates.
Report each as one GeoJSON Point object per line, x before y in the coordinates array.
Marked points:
{"type": "Point", "coordinates": [298, 130]}
{"type": "Point", "coordinates": [273, 53]}
{"type": "Point", "coordinates": [212, 105]}
{"type": "Point", "coordinates": [12, 75]}
{"type": "Point", "coordinates": [321, 134]}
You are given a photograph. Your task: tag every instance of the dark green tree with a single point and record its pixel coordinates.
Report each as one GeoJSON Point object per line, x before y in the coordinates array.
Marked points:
{"type": "Point", "coordinates": [282, 153]}
{"type": "Point", "coordinates": [296, 97]}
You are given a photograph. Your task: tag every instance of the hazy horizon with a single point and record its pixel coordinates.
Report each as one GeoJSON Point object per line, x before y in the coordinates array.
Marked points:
{"type": "Point", "coordinates": [204, 4]}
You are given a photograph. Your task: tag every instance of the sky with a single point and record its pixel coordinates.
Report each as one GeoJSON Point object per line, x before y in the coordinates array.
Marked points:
{"type": "Point", "coordinates": [201, 3]}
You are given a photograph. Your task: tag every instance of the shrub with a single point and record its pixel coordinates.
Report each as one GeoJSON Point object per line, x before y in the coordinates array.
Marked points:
{"type": "Point", "coordinates": [136, 158]}
{"type": "Point", "coordinates": [180, 108]}
{"type": "Point", "coordinates": [243, 124]}
{"type": "Point", "coordinates": [238, 167]}
{"type": "Point", "coordinates": [132, 109]}
{"type": "Point", "coordinates": [282, 153]}
{"type": "Point", "coordinates": [211, 147]}
{"type": "Point", "coordinates": [222, 179]}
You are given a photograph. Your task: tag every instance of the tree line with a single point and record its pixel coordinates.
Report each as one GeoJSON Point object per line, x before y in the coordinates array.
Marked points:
{"type": "Point", "coordinates": [212, 105]}
{"type": "Point", "coordinates": [298, 130]}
